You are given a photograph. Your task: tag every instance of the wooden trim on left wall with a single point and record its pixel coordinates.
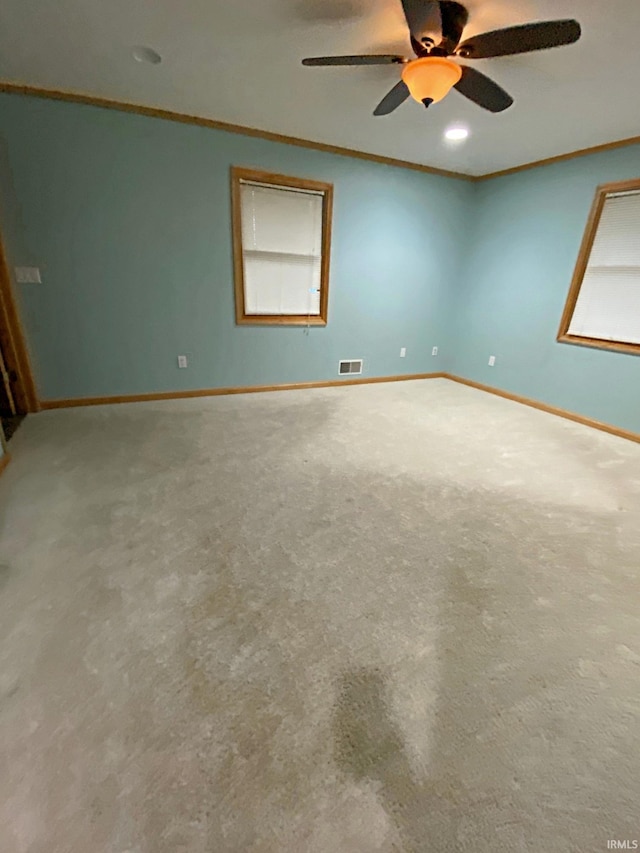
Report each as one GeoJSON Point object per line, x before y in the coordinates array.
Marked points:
{"type": "Point", "coordinates": [4, 461]}
{"type": "Point", "coordinates": [14, 343]}
{"type": "Point", "coordinates": [221, 392]}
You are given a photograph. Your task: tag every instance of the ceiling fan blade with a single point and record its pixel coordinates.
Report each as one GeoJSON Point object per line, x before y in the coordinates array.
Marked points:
{"type": "Point", "coordinates": [392, 100]}
{"type": "Point", "coordinates": [454, 19]}
{"type": "Point", "coordinates": [424, 19]}
{"type": "Point", "coordinates": [521, 39]}
{"type": "Point", "coordinates": [380, 59]}
{"type": "Point", "coordinates": [483, 91]}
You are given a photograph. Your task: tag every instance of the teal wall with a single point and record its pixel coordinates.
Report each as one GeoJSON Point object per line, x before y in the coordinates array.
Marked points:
{"type": "Point", "coordinates": [128, 218]}
{"type": "Point", "coordinates": [527, 231]}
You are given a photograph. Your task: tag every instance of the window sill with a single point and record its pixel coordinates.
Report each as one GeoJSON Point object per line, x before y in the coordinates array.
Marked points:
{"type": "Point", "coordinates": [597, 343]}
{"type": "Point", "coordinates": [273, 253]}
{"type": "Point", "coordinates": [278, 320]}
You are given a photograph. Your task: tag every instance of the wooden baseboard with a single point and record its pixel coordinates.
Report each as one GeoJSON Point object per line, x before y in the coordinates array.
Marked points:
{"type": "Point", "coordinates": [552, 410]}
{"type": "Point", "coordinates": [218, 392]}
{"type": "Point", "coordinates": [334, 383]}
{"type": "Point", "coordinates": [4, 461]}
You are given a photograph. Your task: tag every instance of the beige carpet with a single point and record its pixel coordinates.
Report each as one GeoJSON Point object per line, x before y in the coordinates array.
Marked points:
{"type": "Point", "coordinates": [398, 617]}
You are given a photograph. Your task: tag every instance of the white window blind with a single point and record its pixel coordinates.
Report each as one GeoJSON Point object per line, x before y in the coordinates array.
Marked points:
{"type": "Point", "coordinates": [608, 305]}
{"type": "Point", "coordinates": [282, 248]}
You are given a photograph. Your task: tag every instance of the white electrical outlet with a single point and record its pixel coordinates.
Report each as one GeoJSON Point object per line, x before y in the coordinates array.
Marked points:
{"type": "Point", "coordinates": [182, 361]}
{"type": "Point", "coordinates": [403, 352]}
{"type": "Point", "coordinates": [492, 361]}
{"type": "Point", "coordinates": [28, 275]}
{"type": "Point", "coordinates": [434, 351]}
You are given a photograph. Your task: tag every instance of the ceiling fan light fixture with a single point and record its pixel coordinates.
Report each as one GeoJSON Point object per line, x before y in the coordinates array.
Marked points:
{"type": "Point", "coordinates": [431, 78]}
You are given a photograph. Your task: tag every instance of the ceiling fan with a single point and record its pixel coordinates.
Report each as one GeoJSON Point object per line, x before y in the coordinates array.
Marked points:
{"type": "Point", "coordinates": [436, 30]}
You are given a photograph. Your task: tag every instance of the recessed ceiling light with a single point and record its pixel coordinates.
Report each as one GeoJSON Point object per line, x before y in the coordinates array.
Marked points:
{"type": "Point", "coordinates": [456, 134]}
{"type": "Point", "coordinates": [146, 54]}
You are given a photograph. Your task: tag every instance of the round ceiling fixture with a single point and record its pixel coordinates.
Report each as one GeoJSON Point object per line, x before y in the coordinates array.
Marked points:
{"type": "Point", "coordinates": [146, 54]}
{"type": "Point", "coordinates": [456, 134]}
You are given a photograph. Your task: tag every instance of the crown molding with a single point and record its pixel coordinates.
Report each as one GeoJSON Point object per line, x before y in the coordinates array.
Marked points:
{"type": "Point", "coordinates": [560, 158]}
{"type": "Point", "coordinates": [184, 118]}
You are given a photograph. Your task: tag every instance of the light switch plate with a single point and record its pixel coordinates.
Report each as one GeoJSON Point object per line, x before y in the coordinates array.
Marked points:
{"type": "Point", "coordinates": [28, 275]}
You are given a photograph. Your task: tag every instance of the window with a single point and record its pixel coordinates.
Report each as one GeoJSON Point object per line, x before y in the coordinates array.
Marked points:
{"type": "Point", "coordinates": [603, 307]}
{"type": "Point", "coordinates": [281, 236]}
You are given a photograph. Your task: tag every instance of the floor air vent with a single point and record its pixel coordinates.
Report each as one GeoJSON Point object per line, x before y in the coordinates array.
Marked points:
{"type": "Point", "coordinates": [354, 366]}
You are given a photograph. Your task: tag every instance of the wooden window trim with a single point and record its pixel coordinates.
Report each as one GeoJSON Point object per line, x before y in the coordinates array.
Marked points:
{"type": "Point", "coordinates": [581, 267]}
{"type": "Point", "coordinates": [239, 174]}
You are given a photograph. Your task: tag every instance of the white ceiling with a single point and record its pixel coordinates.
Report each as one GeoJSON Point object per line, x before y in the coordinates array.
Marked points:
{"type": "Point", "coordinates": [239, 61]}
